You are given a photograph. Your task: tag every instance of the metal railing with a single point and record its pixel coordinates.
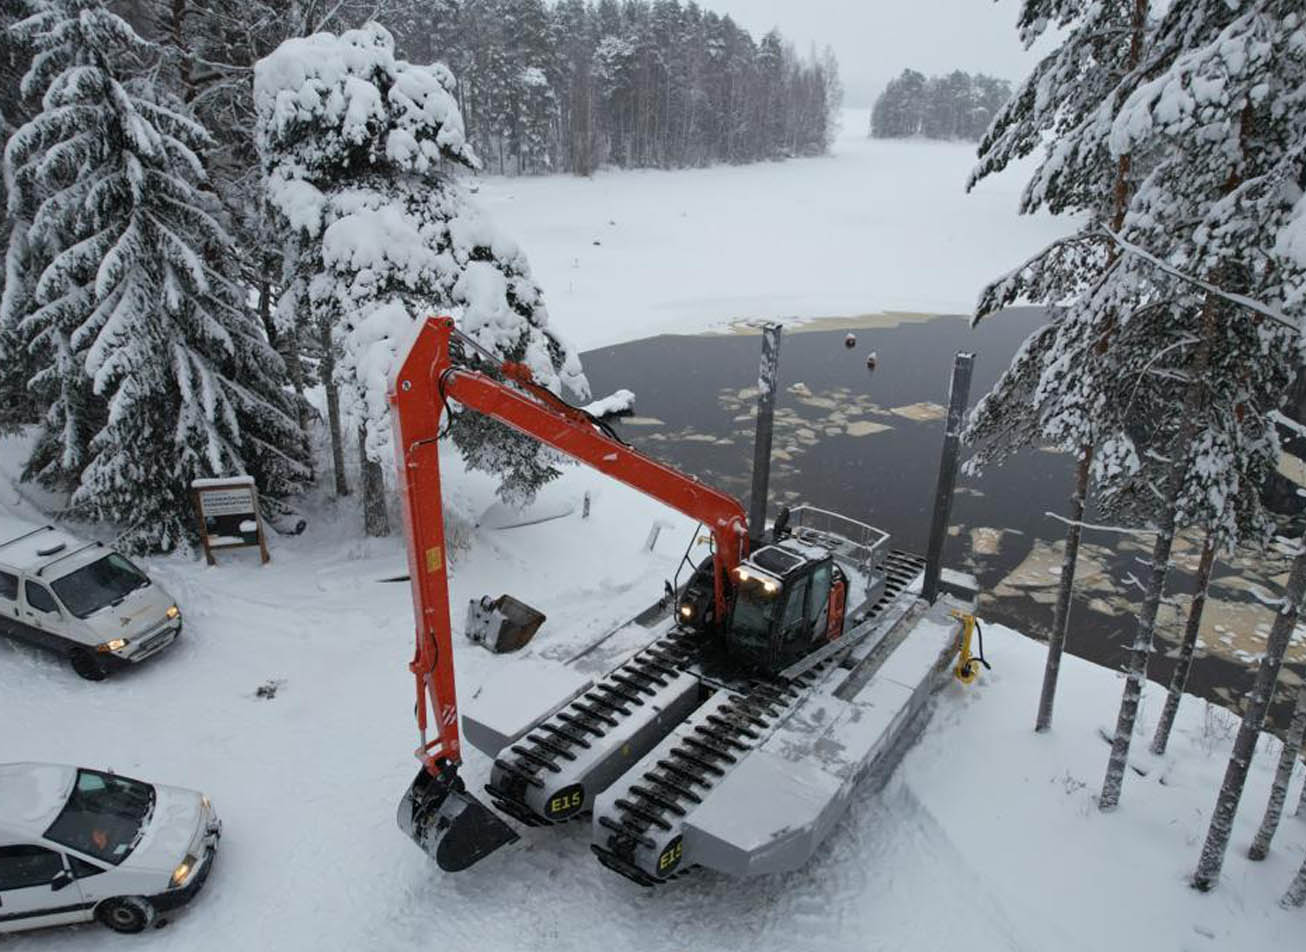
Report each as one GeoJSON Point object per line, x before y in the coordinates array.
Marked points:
{"type": "Point", "coordinates": [856, 541]}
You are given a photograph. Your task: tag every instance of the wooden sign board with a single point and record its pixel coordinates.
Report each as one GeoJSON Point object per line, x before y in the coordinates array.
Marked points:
{"type": "Point", "coordinates": [229, 515]}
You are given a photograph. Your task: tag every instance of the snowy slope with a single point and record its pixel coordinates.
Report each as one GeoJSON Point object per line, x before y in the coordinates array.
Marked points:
{"type": "Point", "coordinates": [960, 848]}
{"type": "Point", "coordinates": [878, 225]}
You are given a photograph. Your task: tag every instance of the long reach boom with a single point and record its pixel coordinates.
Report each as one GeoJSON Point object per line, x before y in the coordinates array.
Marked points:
{"type": "Point", "coordinates": [437, 812]}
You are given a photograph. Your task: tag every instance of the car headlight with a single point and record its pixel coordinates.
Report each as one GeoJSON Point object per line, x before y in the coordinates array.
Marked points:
{"type": "Point", "coordinates": [183, 870]}
{"type": "Point", "coordinates": [173, 612]}
{"type": "Point", "coordinates": [116, 644]}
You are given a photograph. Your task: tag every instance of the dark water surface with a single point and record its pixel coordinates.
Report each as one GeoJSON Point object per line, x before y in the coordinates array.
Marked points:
{"type": "Point", "coordinates": [694, 399]}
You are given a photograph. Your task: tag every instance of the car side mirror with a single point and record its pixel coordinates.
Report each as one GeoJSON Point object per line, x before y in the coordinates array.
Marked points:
{"type": "Point", "coordinates": [61, 879]}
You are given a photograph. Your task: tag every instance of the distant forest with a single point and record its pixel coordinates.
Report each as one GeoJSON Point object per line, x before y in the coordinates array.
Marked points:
{"type": "Point", "coordinates": [575, 85]}
{"type": "Point", "coordinates": [955, 106]}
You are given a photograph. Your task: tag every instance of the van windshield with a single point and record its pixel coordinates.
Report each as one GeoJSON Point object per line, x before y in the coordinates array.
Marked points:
{"type": "Point", "coordinates": [105, 816]}
{"type": "Point", "coordinates": [101, 583]}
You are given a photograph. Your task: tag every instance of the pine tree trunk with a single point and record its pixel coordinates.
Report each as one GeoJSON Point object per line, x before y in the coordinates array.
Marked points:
{"type": "Point", "coordinates": [1282, 777]}
{"type": "Point", "coordinates": [376, 521]}
{"type": "Point", "coordinates": [1296, 894]}
{"type": "Point", "coordinates": [327, 370]}
{"type": "Point", "coordinates": [1179, 680]}
{"type": "Point", "coordinates": [1140, 651]}
{"type": "Point", "coordinates": [1061, 616]}
{"type": "Point", "coordinates": [1301, 804]}
{"type": "Point", "coordinates": [1244, 745]}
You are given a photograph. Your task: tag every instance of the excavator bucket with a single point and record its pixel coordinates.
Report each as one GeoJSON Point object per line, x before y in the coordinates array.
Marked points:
{"type": "Point", "coordinates": [502, 624]}
{"type": "Point", "coordinates": [448, 823]}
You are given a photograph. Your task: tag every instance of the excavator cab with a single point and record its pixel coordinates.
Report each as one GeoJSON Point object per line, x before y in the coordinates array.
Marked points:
{"type": "Point", "coordinates": [789, 601]}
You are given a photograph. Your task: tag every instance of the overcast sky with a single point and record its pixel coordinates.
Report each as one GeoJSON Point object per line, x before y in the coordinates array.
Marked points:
{"type": "Point", "coordinates": [876, 39]}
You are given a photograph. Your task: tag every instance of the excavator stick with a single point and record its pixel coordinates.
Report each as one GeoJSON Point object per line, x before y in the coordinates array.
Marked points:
{"type": "Point", "coordinates": [448, 823]}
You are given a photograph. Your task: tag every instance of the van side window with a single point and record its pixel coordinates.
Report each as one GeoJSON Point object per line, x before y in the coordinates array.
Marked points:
{"type": "Point", "coordinates": [9, 586]}
{"type": "Point", "coordinates": [39, 597]}
{"type": "Point", "coordinates": [28, 865]}
{"type": "Point", "coordinates": [82, 869]}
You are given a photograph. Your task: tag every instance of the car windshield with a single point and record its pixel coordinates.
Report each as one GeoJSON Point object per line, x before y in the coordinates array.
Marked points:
{"type": "Point", "coordinates": [101, 583]}
{"type": "Point", "coordinates": [105, 816]}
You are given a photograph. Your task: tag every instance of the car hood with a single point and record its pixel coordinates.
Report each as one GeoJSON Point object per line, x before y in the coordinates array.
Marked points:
{"type": "Point", "coordinates": [140, 611]}
{"type": "Point", "coordinates": [171, 830]}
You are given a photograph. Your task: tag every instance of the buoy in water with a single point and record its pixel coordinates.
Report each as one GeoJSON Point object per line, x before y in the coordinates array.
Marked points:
{"type": "Point", "coordinates": [871, 360]}
{"type": "Point", "coordinates": [850, 341]}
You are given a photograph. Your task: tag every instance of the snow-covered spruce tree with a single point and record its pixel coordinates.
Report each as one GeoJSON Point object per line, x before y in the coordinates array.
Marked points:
{"type": "Point", "coordinates": [154, 370]}
{"type": "Point", "coordinates": [1055, 110]}
{"type": "Point", "coordinates": [358, 151]}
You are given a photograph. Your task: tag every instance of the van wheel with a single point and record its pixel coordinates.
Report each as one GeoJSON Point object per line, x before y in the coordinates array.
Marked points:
{"type": "Point", "coordinates": [126, 913]}
{"type": "Point", "coordinates": [87, 665]}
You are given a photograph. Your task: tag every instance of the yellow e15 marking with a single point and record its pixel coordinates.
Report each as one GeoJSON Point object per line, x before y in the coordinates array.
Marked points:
{"type": "Point", "coordinates": [566, 801]}
{"type": "Point", "coordinates": [671, 855]}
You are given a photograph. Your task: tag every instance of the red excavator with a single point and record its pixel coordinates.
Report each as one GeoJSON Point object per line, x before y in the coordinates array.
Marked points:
{"type": "Point", "coordinates": [645, 748]}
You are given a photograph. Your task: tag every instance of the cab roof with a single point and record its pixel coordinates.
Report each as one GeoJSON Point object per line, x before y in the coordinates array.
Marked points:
{"type": "Point", "coordinates": [32, 794]}
{"type": "Point", "coordinates": [33, 549]}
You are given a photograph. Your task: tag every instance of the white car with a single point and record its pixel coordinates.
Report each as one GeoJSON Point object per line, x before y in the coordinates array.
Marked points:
{"type": "Point", "coordinates": [78, 845]}
{"type": "Point", "coordinates": [82, 600]}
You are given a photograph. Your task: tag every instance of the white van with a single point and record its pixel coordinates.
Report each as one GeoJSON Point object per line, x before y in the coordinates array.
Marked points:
{"type": "Point", "coordinates": [78, 845]}
{"type": "Point", "coordinates": [81, 599]}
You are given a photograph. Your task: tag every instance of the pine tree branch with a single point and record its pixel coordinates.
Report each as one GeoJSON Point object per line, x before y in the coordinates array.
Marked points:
{"type": "Point", "coordinates": [1241, 300]}
{"type": "Point", "coordinates": [1100, 528]}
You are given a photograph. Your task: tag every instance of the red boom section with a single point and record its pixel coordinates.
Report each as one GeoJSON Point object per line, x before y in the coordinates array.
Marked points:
{"type": "Point", "coordinates": [425, 381]}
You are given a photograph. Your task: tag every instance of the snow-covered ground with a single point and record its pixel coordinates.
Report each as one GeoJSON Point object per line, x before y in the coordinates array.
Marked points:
{"type": "Point", "coordinates": [878, 225]}
{"type": "Point", "coordinates": [987, 836]}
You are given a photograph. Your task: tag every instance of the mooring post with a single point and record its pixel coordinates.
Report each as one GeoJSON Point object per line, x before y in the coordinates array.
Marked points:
{"type": "Point", "coordinates": [958, 395]}
{"type": "Point", "coordinates": [767, 375]}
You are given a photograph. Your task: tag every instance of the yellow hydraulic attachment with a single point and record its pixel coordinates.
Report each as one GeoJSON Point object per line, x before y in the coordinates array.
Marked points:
{"type": "Point", "coordinates": [968, 665]}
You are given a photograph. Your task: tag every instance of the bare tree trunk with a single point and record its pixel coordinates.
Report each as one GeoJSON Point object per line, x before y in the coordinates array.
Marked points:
{"type": "Point", "coordinates": [1296, 894]}
{"type": "Point", "coordinates": [327, 370]}
{"type": "Point", "coordinates": [1061, 616]}
{"type": "Point", "coordinates": [376, 521]}
{"type": "Point", "coordinates": [1139, 652]}
{"type": "Point", "coordinates": [1282, 777]}
{"type": "Point", "coordinates": [1179, 680]}
{"type": "Point", "coordinates": [1244, 745]}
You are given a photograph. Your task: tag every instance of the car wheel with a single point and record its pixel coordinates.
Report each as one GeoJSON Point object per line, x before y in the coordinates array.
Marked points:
{"type": "Point", "coordinates": [126, 913]}
{"type": "Point", "coordinates": [87, 665]}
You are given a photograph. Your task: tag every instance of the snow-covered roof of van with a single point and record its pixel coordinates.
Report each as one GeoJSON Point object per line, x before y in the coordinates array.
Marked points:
{"type": "Point", "coordinates": [31, 795]}
{"type": "Point", "coordinates": [29, 548]}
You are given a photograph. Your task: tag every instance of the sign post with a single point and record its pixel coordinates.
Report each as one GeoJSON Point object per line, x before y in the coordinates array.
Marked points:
{"type": "Point", "coordinates": [229, 515]}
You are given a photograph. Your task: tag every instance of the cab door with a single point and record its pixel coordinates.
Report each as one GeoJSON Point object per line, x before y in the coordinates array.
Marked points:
{"type": "Point", "coordinates": [38, 889]}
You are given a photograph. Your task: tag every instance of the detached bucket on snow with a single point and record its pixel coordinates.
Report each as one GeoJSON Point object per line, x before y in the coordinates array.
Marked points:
{"type": "Point", "coordinates": [501, 624]}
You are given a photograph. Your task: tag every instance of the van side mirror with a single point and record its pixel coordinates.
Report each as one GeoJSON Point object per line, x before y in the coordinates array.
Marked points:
{"type": "Point", "coordinates": [61, 879]}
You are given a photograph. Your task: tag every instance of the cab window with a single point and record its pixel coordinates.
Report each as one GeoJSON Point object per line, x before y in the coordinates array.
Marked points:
{"type": "Point", "coordinates": [820, 595]}
{"type": "Point", "coordinates": [792, 625]}
{"type": "Point", "coordinates": [39, 597]}
{"type": "Point", "coordinates": [28, 865]}
{"type": "Point", "coordinates": [9, 586]}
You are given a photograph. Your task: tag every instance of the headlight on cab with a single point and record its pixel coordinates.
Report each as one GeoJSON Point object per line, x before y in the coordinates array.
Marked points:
{"type": "Point", "coordinates": [183, 871]}
{"type": "Point", "coordinates": [116, 644]}
{"type": "Point", "coordinates": [173, 612]}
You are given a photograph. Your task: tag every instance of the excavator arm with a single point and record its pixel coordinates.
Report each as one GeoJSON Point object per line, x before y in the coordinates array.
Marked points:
{"type": "Point", "coordinates": [437, 812]}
